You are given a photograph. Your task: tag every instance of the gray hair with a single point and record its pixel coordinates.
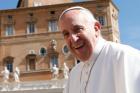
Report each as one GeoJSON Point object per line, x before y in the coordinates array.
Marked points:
{"type": "Point", "coordinates": [88, 13]}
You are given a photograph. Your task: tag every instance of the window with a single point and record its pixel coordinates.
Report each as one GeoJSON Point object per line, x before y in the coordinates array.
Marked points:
{"type": "Point", "coordinates": [101, 19]}
{"type": "Point", "coordinates": [54, 61]}
{"type": "Point", "coordinates": [10, 17]}
{"type": "Point", "coordinates": [9, 66]}
{"type": "Point", "coordinates": [8, 62]}
{"type": "Point", "coordinates": [30, 28]}
{"type": "Point", "coordinates": [65, 49]}
{"type": "Point", "coordinates": [31, 62]}
{"type": "Point", "coordinates": [42, 52]}
{"type": "Point", "coordinates": [52, 12]}
{"type": "Point", "coordinates": [9, 30]}
{"type": "Point", "coordinates": [31, 14]}
{"type": "Point", "coordinates": [37, 3]}
{"type": "Point", "coordinates": [53, 26]}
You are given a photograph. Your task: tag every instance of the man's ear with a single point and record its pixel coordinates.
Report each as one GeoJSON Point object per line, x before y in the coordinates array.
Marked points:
{"type": "Point", "coordinates": [97, 26]}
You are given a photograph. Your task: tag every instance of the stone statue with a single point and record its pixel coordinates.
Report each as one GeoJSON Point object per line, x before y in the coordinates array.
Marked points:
{"type": "Point", "coordinates": [53, 44]}
{"type": "Point", "coordinates": [16, 74]}
{"type": "Point", "coordinates": [65, 71]}
{"type": "Point", "coordinates": [55, 72]}
{"type": "Point", "coordinates": [5, 74]}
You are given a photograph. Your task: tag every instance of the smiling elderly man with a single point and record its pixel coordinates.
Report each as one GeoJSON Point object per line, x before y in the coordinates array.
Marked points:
{"type": "Point", "coordinates": [105, 67]}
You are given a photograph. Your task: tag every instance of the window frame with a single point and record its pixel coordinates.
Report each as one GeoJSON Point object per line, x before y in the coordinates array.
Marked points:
{"type": "Point", "coordinates": [53, 61]}
{"type": "Point", "coordinates": [31, 26]}
{"type": "Point", "coordinates": [9, 30]}
{"type": "Point", "coordinates": [41, 53]}
{"type": "Point", "coordinates": [65, 53]}
{"type": "Point", "coordinates": [102, 19]}
{"type": "Point", "coordinates": [53, 25]}
{"type": "Point", "coordinates": [9, 66]}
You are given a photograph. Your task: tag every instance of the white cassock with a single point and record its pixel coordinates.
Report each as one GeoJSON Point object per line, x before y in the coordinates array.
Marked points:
{"type": "Point", "coordinates": [113, 68]}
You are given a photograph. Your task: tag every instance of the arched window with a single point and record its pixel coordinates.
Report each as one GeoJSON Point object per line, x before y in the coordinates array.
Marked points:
{"type": "Point", "coordinates": [65, 49]}
{"type": "Point", "coordinates": [43, 51]}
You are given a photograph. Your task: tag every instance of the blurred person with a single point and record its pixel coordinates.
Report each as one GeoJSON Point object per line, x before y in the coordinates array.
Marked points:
{"type": "Point", "coordinates": [16, 74]}
{"type": "Point", "coordinates": [55, 72]}
{"type": "Point", "coordinates": [5, 73]}
{"type": "Point", "coordinates": [66, 71]}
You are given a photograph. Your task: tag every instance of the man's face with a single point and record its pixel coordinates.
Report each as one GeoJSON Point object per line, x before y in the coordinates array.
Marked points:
{"type": "Point", "coordinates": [79, 34]}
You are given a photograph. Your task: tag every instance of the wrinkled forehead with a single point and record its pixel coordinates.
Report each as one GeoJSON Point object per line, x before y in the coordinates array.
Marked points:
{"type": "Point", "coordinates": [70, 18]}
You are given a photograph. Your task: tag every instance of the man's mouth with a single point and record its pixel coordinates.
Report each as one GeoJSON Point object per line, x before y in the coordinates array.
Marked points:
{"type": "Point", "coordinates": [78, 46]}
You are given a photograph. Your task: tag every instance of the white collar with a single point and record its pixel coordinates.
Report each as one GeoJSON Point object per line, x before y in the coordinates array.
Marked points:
{"type": "Point", "coordinates": [99, 46]}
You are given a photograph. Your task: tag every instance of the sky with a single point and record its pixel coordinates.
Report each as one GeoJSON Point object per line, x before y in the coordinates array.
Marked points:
{"type": "Point", "coordinates": [129, 21]}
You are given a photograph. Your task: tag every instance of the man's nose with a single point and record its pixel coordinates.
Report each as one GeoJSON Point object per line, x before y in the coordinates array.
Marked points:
{"type": "Point", "coordinates": [74, 37]}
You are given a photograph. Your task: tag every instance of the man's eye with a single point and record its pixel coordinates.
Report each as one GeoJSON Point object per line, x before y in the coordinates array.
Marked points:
{"type": "Point", "coordinates": [79, 29]}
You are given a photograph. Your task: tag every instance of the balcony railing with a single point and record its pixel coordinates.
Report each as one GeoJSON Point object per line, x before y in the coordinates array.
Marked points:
{"type": "Point", "coordinates": [33, 85]}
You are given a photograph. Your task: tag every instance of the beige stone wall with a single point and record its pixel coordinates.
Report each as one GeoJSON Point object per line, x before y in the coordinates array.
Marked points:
{"type": "Point", "coordinates": [19, 45]}
{"type": "Point", "coordinates": [114, 15]}
{"type": "Point", "coordinates": [31, 3]}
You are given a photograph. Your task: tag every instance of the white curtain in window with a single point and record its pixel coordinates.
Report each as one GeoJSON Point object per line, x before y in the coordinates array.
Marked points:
{"type": "Point", "coordinates": [53, 26]}
{"type": "Point", "coordinates": [9, 30]}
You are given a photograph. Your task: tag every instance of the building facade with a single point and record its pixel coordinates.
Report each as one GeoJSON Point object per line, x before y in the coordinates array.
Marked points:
{"type": "Point", "coordinates": [30, 38]}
